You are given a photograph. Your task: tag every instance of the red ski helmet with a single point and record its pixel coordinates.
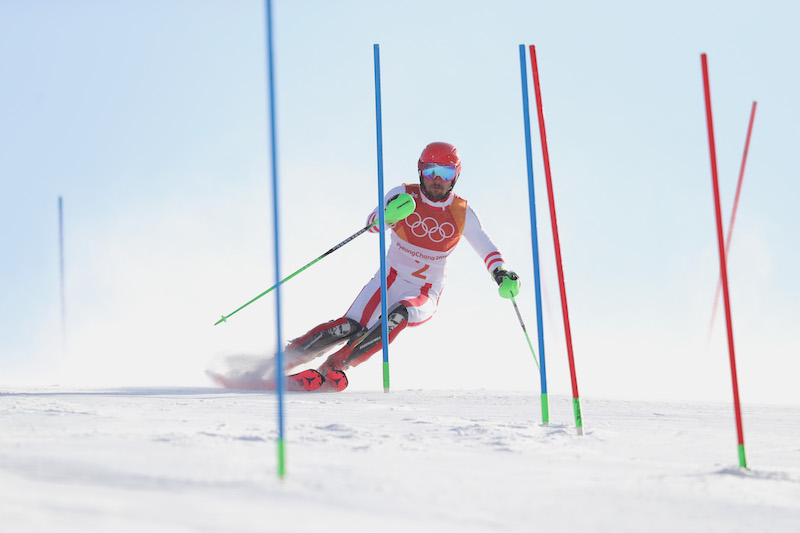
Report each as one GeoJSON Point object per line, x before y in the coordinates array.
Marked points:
{"type": "Point", "coordinates": [441, 154]}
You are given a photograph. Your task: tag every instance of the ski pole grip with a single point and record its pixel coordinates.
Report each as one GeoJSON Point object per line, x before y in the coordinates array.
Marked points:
{"type": "Point", "coordinates": [399, 208]}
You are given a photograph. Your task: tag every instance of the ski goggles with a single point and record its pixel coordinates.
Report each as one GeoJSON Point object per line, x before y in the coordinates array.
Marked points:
{"type": "Point", "coordinates": [435, 170]}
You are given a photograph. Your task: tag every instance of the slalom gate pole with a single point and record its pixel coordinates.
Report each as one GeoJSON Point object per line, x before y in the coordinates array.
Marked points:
{"type": "Point", "coordinates": [723, 267]}
{"type": "Point", "coordinates": [61, 275]}
{"type": "Point", "coordinates": [576, 404]}
{"type": "Point", "coordinates": [381, 217]}
{"type": "Point", "coordinates": [733, 213]}
{"type": "Point", "coordinates": [296, 272]}
{"type": "Point", "coordinates": [276, 221]}
{"type": "Point", "coordinates": [534, 241]}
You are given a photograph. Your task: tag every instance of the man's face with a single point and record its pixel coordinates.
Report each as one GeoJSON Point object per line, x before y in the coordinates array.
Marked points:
{"type": "Point", "coordinates": [436, 189]}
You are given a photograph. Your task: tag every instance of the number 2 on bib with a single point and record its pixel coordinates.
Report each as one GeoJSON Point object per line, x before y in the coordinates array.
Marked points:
{"type": "Point", "coordinates": [421, 272]}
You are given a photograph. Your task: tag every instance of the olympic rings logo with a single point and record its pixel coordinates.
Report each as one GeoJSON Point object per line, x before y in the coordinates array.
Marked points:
{"type": "Point", "coordinates": [430, 227]}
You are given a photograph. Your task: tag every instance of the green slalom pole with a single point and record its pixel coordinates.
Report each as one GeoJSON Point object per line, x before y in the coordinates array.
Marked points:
{"type": "Point", "coordinates": [398, 209]}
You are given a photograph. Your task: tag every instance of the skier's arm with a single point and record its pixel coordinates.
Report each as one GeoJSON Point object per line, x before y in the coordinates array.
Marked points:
{"type": "Point", "coordinates": [507, 280]}
{"type": "Point", "coordinates": [387, 198]}
{"type": "Point", "coordinates": [481, 242]}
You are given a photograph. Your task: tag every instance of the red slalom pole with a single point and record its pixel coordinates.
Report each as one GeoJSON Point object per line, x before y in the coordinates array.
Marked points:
{"type": "Point", "coordinates": [733, 214]}
{"type": "Point", "coordinates": [576, 404]}
{"type": "Point", "coordinates": [722, 263]}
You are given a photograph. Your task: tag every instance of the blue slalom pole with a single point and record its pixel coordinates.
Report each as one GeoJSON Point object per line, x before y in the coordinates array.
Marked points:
{"type": "Point", "coordinates": [275, 221]}
{"type": "Point", "coordinates": [534, 235]}
{"type": "Point", "coordinates": [382, 218]}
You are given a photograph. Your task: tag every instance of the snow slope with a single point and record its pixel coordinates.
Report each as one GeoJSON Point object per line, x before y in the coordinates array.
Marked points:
{"type": "Point", "coordinates": [181, 460]}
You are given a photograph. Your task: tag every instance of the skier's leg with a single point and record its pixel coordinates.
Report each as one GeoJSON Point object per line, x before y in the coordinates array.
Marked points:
{"type": "Point", "coordinates": [363, 346]}
{"type": "Point", "coordinates": [320, 339]}
{"type": "Point", "coordinates": [367, 305]}
{"type": "Point", "coordinates": [326, 336]}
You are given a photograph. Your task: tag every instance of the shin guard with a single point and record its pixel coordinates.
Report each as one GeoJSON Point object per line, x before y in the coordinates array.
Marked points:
{"type": "Point", "coordinates": [361, 348]}
{"type": "Point", "coordinates": [323, 337]}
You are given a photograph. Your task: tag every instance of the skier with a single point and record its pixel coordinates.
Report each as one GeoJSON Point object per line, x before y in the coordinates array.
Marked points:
{"type": "Point", "coordinates": [416, 263]}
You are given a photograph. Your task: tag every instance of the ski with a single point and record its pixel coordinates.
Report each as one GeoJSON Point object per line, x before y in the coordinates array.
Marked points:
{"type": "Point", "coordinates": [306, 381]}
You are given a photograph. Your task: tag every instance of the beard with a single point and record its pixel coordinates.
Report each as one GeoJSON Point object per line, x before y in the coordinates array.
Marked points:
{"type": "Point", "coordinates": [436, 191]}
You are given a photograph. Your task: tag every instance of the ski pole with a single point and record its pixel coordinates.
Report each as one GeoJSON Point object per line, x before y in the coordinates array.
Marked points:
{"type": "Point", "coordinates": [525, 331]}
{"type": "Point", "coordinates": [398, 209]}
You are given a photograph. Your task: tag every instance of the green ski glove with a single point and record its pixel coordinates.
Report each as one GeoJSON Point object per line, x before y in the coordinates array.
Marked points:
{"type": "Point", "coordinates": [508, 282]}
{"type": "Point", "coordinates": [399, 208]}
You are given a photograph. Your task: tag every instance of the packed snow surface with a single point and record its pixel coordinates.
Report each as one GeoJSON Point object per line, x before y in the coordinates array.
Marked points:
{"type": "Point", "coordinates": [203, 459]}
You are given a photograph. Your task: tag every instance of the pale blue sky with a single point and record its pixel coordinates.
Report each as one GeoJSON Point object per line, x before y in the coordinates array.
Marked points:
{"type": "Point", "coordinates": [150, 119]}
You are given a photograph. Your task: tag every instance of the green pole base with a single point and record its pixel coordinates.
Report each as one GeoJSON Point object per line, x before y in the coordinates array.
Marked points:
{"type": "Point", "coordinates": [281, 459]}
{"type": "Point", "coordinates": [576, 406]}
{"type": "Point", "coordinates": [742, 459]}
{"type": "Point", "coordinates": [545, 410]}
{"type": "Point", "coordinates": [386, 376]}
